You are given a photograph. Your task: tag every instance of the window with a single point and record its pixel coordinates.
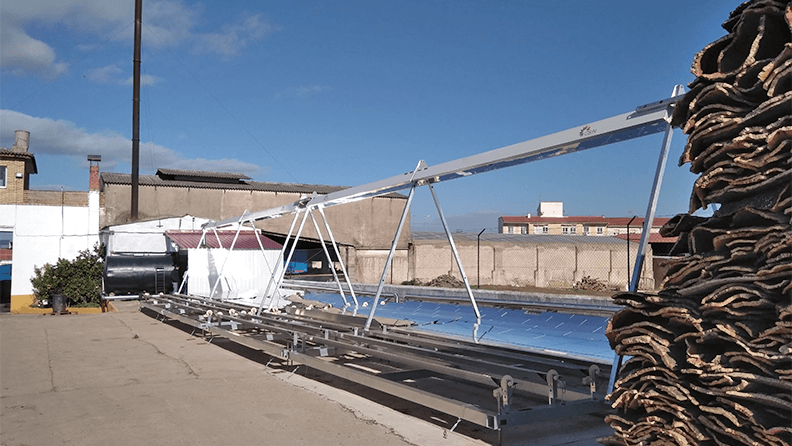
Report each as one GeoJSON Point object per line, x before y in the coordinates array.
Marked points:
{"type": "Point", "coordinates": [540, 229]}
{"type": "Point", "coordinates": [586, 230]}
{"type": "Point", "coordinates": [523, 229]}
{"type": "Point", "coordinates": [3, 176]}
{"type": "Point", "coordinates": [568, 230]}
{"type": "Point", "coordinates": [600, 230]}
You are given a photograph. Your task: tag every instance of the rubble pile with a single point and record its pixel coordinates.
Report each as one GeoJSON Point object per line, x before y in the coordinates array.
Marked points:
{"type": "Point", "coordinates": [711, 353]}
{"type": "Point", "coordinates": [445, 281]}
{"type": "Point", "coordinates": [588, 283]}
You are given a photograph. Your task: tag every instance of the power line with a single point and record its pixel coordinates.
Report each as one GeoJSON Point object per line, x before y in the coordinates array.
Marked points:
{"type": "Point", "coordinates": [225, 109]}
{"type": "Point", "coordinates": [70, 67]}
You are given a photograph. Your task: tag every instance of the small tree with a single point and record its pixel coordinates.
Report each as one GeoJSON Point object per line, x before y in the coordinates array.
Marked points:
{"type": "Point", "coordinates": [80, 279]}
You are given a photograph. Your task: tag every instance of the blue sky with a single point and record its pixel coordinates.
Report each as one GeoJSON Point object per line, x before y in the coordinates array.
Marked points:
{"type": "Point", "coordinates": [349, 92]}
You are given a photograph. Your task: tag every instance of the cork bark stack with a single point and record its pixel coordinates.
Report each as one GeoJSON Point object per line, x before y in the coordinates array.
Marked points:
{"type": "Point", "coordinates": [710, 355]}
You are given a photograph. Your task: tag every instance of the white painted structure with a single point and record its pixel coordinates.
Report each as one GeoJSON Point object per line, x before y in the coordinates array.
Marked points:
{"type": "Point", "coordinates": [147, 236]}
{"type": "Point", "coordinates": [245, 273]}
{"type": "Point", "coordinates": [43, 234]}
{"type": "Point", "coordinates": [550, 209]}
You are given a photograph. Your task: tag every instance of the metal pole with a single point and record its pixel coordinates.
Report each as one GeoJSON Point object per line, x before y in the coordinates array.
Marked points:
{"type": "Point", "coordinates": [133, 210]}
{"type": "Point", "coordinates": [628, 251]}
{"type": "Point", "coordinates": [279, 266]}
{"type": "Point", "coordinates": [264, 255]}
{"type": "Point", "coordinates": [288, 259]}
{"type": "Point", "coordinates": [647, 226]}
{"type": "Point", "coordinates": [228, 254]}
{"type": "Point", "coordinates": [456, 256]}
{"type": "Point", "coordinates": [478, 258]}
{"type": "Point", "coordinates": [338, 254]}
{"type": "Point", "coordinates": [329, 259]}
{"type": "Point", "coordinates": [405, 212]}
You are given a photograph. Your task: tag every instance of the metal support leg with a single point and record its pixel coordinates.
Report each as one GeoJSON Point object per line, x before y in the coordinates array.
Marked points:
{"type": "Point", "coordinates": [338, 254]}
{"type": "Point", "coordinates": [405, 212]}
{"type": "Point", "coordinates": [266, 262]}
{"type": "Point", "coordinates": [456, 256]}
{"type": "Point", "coordinates": [228, 254]}
{"type": "Point", "coordinates": [329, 259]}
{"type": "Point", "coordinates": [647, 226]}
{"type": "Point", "coordinates": [276, 272]}
{"type": "Point", "coordinates": [288, 259]}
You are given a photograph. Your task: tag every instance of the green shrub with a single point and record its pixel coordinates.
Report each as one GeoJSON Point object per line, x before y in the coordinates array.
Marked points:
{"type": "Point", "coordinates": [80, 279]}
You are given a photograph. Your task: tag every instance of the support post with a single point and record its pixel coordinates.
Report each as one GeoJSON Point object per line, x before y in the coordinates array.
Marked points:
{"type": "Point", "coordinates": [288, 259]}
{"type": "Point", "coordinates": [456, 256]}
{"type": "Point", "coordinates": [280, 266]}
{"type": "Point", "coordinates": [266, 262]}
{"type": "Point", "coordinates": [647, 226]}
{"type": "Point", "coordinates": [338, 254]}
{"type": "Point", "coordinates": [228, 254]}
{"type": "Point", "coordinates": [405, 212]}
{"type": "Point", "coordinates": [329, 259]}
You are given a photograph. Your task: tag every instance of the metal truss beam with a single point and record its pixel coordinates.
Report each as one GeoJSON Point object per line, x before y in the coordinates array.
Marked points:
{"type": "Point", "coordinates": [644, 120]}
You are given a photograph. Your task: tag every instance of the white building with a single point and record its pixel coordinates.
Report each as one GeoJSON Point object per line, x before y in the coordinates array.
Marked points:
{"type": "Point", "coordinates": [43, 225]}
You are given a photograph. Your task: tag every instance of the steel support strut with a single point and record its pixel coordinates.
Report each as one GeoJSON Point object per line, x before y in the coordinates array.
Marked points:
{"type": "Point", "coordinates": [405, 212]}
{"type": "Point", "coordinates": [456, 256]}
{"type": "Point", "coordinates": [338, 254]}
{"type": "Point", "coordinates": [273, 268]}
{"type": "Point", "coordinates": [288, 259]}
{"type": "Point", "coordinates": [329, 259]}
{"type": "Point", "coordinates": [276, 272]}
{"type": "Point", "coordinates": [647, 225]}
{"type": "Point", "coordinates": [228, 254]}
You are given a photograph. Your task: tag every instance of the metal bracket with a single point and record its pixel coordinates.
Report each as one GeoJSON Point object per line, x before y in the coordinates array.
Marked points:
{"type": "Point", "coordinates": [552, 386]}
{"type": "Point", "coordinates": [503, 394]}
{"type": "Point", "coordinates": [591, 379]}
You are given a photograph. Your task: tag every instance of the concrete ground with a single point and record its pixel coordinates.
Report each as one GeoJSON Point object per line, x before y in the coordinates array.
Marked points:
{"type": "Point", "coordinates": [126, 379]}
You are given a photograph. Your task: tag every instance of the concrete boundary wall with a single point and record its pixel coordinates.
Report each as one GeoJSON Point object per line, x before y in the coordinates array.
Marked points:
{"type": "Point", "coordinates": [539, 261]}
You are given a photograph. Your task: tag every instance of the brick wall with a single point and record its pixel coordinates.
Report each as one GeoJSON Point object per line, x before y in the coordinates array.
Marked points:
{"type": "Point", "coordinates": [13, 193]}
{"type": "Point", "coordinates": [55, 198]}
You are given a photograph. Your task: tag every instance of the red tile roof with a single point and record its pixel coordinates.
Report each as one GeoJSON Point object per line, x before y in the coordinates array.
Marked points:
{"type": "Point", "coordinates": [586, 219]}
{"type": "Point", "coordinates": [246, 239]}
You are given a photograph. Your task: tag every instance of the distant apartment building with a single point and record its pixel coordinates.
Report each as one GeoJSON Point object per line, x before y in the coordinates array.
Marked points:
{"type": "Point", "coordinates": [550, 220]}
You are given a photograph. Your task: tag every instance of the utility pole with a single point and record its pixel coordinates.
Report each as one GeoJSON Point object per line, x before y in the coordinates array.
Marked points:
{"type": "Point", "coordinates": [133, 210]}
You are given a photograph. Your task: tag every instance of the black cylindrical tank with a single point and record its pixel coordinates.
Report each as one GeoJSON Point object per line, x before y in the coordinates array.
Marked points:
{"type": "Point", "coordinates": [136, 274]}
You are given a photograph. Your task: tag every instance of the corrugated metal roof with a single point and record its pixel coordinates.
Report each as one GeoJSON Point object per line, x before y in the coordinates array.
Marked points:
{"type": "Point", "coordinates": [201, 174]}
{"type": "Point", "coordinates": [154, 180]}
{"type": "Point", "coordinates": [299, 188]}
{"type": "Point", "coordinates": [246, 239]}
{"type": "Point", "coordinates": [520, 238]}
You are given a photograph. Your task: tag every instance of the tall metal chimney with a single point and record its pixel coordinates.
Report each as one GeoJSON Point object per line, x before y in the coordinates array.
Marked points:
{"type": "Point", "coordinates": [21, 141]}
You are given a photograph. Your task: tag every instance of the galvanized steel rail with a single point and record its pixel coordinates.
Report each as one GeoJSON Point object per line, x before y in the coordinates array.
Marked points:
{"type": "Point", "coordinates": [308, 336]}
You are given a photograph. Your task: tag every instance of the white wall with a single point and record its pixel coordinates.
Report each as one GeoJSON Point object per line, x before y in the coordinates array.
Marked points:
{"type": "Point", "coordinates": [244, 271]}
{"type": "Point", "coordinates": [43, 234]}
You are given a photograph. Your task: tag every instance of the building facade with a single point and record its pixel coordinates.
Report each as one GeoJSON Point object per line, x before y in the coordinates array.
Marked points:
{"type": "Point", "coordinates": [40, 226]}
{"type": "Point", "coordinates": [551, 221]}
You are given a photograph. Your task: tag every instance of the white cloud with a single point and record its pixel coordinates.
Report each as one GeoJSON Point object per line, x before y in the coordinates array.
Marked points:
{"type": "Point", "coordinates": [306, 90]}
{"type": "Point", "coordinates": [105, 75]}
{"type": "Point", "coordinates": [111, 74]}
{"type": "Point", "coordinates": [235, 37]}
{"type": "Point", "coordinates": [20, 53]}
{"type": "Point", "coordinates": [166, 23]}
{"type": "Point", "coordinates": [64, 138]}
{"type": "Point", "coordinates": [145, 79]}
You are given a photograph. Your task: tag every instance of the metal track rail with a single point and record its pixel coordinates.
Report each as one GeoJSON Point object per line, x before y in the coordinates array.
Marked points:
{"type": "Point", "coordinates": [518, 380]}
